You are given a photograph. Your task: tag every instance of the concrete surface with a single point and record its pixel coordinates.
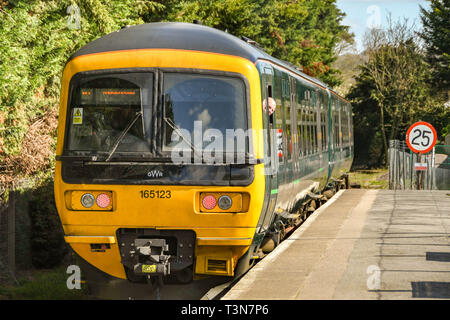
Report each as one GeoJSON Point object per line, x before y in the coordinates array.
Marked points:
{"type": "Point", "coordinates": [362, 244]}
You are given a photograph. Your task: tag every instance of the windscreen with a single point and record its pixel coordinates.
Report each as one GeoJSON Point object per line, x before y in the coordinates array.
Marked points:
{"type": "Point", "coordinates": [201, 108]}
{"type": "Point", "coordinates": [108, 113]}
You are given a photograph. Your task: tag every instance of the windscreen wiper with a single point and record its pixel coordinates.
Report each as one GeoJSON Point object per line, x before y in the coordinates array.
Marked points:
{"type": "Point", "coordinates": [122, 135]}
{"type": "Point", "coordinates": [178, 131]}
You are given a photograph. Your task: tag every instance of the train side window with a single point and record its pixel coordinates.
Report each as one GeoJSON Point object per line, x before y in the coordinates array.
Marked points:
{"type": "Point", "coordinates": [300, 131]}
{"type": "Point", "coordinates": [314, 123]}
{"type": "Point", "coordinates": [310, 145]}
{"type": "Point", "coordinates": [344, 126]}
{"type": "Point", "coordinates": [308, 135]}
{"type": "Point", "coordinates": [336, 127]}
{"type": "Point", "coordinates": [313, 130]}
{"type": "Point", "coordinates": [347, 135]}
{"type": "Point", "coordinates": [306, 121]}
{"type": "Point", "coordinates": [270, 118]}
{"type": "Point", "coordinates": [269, 95]}
{"type": "Point", "coordinates": [316, 145]}
{"type": "Point", "coordinates": [310, 125]}
{"type": "Point", "coordinates": [340, 126]}
{"type": "Point", "coordinates": [324, 131]}
{"type": "Point", "coordinates": [305, 133]}
{"type": "Point", "coordinates": [287, 120]}
{"type": "Point", "coordinates": [279, 128]}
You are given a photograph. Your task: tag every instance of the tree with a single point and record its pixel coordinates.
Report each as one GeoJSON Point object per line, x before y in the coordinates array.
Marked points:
{"type": "Point", "coordinates": [304, 33]}
{"type": "Point", "coordinates": [395, 79]}
{"type": "Point", "coordinates": [437, 42]}
{"type": "Point", "coordinates": [35, 43]}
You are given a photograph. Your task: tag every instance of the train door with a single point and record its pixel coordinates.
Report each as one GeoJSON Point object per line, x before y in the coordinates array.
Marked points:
{"type": "Point", "coordinates": [323, 112]}
{"type": "Point", "coordinates": [319, 136]}
{"type": "Point", "coordinates": [295, 135]}
{"type": "Point", "coordinates": [331, 133]}
{"type": "Point", "coordinates": [336, 137]}
{"type": "Point", "coordinates": [282, 129]}
{"type": "Point", "coordinates": [291, 171]}
{"type": "Point", "coordinates": [300, 94]}
{"type": "Point", "coordinates": [338, 157]}
{"type": "Point", "coordinates": [270, 147]}
{"type": "Point", "coordinates": [280, 98]}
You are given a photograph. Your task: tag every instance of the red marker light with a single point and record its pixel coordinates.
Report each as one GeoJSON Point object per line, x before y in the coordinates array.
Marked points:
{"type": "Point", "coordinates": [103, 200]}
{"type": "Point", "coordinates": [209, 202]}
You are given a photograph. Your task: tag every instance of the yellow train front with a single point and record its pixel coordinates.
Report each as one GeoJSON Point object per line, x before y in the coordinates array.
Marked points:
{"type": "Point", "coordinates": [157, 173]}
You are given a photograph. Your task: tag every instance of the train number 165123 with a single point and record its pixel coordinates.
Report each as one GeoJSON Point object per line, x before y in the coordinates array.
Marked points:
{"type": "Point", "coordinates": [158, 194]}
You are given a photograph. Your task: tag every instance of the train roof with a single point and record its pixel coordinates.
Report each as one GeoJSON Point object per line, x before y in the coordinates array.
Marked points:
{"type": "Point", "coordinates": [183, 36]}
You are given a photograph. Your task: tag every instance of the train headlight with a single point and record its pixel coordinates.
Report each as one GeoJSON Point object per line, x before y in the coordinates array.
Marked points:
{"type": "Point", "coordinates": [209, 202]}
{"type": "Point", "coordinates": [225, 202]}
{"type": "Point", "coordinates": [87, 200]}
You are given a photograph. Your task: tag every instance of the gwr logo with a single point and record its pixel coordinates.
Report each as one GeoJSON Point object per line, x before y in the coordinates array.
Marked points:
{"type": "Point", "coordinates": [155, 174]}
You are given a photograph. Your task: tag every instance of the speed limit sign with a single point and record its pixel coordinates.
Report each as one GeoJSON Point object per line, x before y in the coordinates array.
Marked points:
{"type": "Point", "coordinates": [421, 137]}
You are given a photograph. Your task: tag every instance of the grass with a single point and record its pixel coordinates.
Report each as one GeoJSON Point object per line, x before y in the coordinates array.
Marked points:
{"type": "Point", "coordinates": [43, 285]}
{"type": "Point", "coordinates": [370, 179]}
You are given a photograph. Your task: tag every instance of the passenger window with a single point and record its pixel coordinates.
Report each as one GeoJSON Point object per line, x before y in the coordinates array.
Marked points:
{"type": "Point", "coordinates": [279, 129]}
{"type": "Point", "coordinates": [314, 125]}
{"type": "Point", "coordinates": [300, 131]}
{"type": "Point", "coordinates": [287, 120]}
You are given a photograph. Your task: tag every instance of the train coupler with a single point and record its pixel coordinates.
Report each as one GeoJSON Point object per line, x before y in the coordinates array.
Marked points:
{"type": "Point", "coordinates": [151, 257]}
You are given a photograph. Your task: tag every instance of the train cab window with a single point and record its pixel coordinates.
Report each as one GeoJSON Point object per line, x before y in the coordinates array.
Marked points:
{"type": "Point", "coordinates": [203, 105]}
{"type": "Point", "coordinates": [269, 95]}
{"type": "Point", "coordinates": [108, 112]}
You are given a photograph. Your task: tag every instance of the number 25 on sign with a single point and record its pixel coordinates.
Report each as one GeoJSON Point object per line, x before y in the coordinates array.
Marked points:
{"type": "Point", "coordinates": [421, 137]}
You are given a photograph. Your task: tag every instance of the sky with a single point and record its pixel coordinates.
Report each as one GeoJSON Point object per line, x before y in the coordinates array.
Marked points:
{"type": "Point", "coordinates": [362, 14]}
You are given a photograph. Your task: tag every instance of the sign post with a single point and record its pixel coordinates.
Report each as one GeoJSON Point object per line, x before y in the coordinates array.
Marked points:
{"type": "Point", "coordinates": [421, 138]}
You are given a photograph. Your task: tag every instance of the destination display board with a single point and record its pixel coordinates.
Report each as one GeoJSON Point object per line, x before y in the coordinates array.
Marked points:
{"type": "Point", "coordinates": [110, 96]}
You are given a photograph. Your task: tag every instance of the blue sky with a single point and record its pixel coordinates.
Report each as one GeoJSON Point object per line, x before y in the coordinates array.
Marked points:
{"type": "Point", "coordinates": [361, 13]}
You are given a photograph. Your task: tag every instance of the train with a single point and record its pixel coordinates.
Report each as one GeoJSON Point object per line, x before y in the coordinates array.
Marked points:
{"type": "Point", "coordinates": [186, 152]}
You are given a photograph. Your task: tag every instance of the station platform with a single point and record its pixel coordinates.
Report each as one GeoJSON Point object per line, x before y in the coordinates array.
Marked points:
{"type": "Point", "coordinates": [361, 244]}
